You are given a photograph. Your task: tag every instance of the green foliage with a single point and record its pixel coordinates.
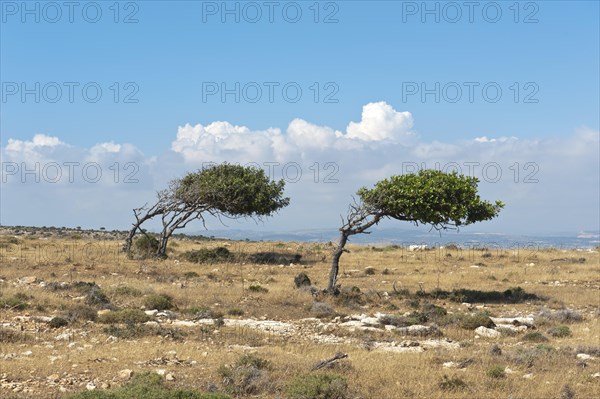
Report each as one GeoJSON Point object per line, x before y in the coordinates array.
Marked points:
{"type": "Point", "coordinates": [496, 372]}
{"type": "Point", "coordinates": [125, 316]}
{"type": "Point", "coordinates": [206, 255]}
{"type": "Point", "coordinates": [15, 302]}
{"type": "Point", "coordinates": [235, 312]}
{"type": "Point", "coordinates": [124, 290]}
{"type": "Point", "coordinates": [145, 246]}
{"type": "Point", "coordinates": [535, 336]}
{"type": "Point", "coordinates": [247, 376]}
{"type": "Point", "coordinates": [318, 386]}
{"type": "Point", "coordinates": [430, 197]}
{"type": "Point", "coordinates": [233, 189]}
{"type": "Point", "coordinates": [471, 322]}
{"type": "Point", "coordinates": [147, 386]}
{"type": "Point", "coordinates": [560, 331]}
{"type": "Point", "coordinates": [159, 302]}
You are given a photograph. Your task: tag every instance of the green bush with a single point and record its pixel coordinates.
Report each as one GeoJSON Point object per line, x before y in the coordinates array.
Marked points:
{"type": "Point", "coordinates": [15, 302]}
{"type": "Point", "coordinates": [124, 316]}
{"type": "Point", "coordinates": [206, 255]}
{"type": "Point", "coordinates": [560, 331]}
{"type": "Point", "coordinates": [471, 322]}
{"type": "Point", "coordinates": [145, 246]}
{"type": "Point", "coordinates": [146, 386]}
{"type": "Point", "coordinates": [159, 302]}
{"type": "Point", "coordinates": [124, 290]}
{"type": "Point", "coordinates": [81, 312]}
{"type": "Point", "coordinates": [318, 386]}
{"type": "Point", "coordinates": [535, 336]}
{"type": "Point", "coordinates": [496, 372]}
{"type": "Point", "coordinates": [235, 312]}
{"type": "Point", "coordinates": [247, 377]}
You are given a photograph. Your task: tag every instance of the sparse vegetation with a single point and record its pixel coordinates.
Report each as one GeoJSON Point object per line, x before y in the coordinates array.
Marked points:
{"type": "Point", "coordinates": [318, 386]}
{"type": "Point", "coordinates": [496, 372]}
{"type": "Point", "coordinates": [208, 255]}
{"type": "Point", "coordinates": [159, 302]}
{"type": "Point", "coordinates": [452, 384]}
{"type": "Point", "coordinates": [560, 331]}
{"type": "Point", "coordinates": [147, 386]}
{"type": "Point", "coordinates": [215, 321]}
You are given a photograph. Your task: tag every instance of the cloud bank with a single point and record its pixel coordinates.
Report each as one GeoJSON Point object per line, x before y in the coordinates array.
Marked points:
{"type": "Point", "coordinates": [549, 184]}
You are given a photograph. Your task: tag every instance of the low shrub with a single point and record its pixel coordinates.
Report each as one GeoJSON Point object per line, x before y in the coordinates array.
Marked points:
{"type": "Point", "coordinates": [124, 316]}
{"type": "Point", "coordinates": [248, 376]}
{"type": "Point", "coordinates": [124, 290]}
{"type": "Point", "coordinates": [15, 302]}
{"type": "Point", "coordinates": [274, 258]}
{"type": "Point", "coordinates": [145, 247]}
{"type": "Point", "coordinates": [318, 386]}
{"type": "Point", "coordinates": [563, 315]}
{"type": "Point", "coordinates": [560, 331]}
{"type": "Point", "coordinates": [535, 336]}
{"type": "Point", "coordinates": [206, 255]}
{"type": "Point", "coordinates": [496, 372]}
{"type": "Point", "coordinates": [81, 313]}
{"type": "Point", "coordinates": [472, 321]}
{"type": "Point", "coordinates": [235, 312]}
{"type": "Point", "coordinates": [159, 302]}
{"type": "Point", "coordinates": [147, 386]}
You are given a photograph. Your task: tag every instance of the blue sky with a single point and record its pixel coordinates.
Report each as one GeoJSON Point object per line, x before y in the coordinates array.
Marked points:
{"type": "Point", "coordinates": [370, 63]}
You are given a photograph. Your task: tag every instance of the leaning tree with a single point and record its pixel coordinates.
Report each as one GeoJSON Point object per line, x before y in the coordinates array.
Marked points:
{"type": "Point", "coordinates": [442, 200]}
{"type": "Point", "coordinates": [224, 190]}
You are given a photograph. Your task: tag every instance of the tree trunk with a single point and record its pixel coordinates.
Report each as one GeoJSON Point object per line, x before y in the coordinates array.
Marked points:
{"type": "Point", "coordinates": [129, 239]}
{"type": "Point", "coordinates": [335, 261]}
{"type": "Point", "coordinates": [163, 240]}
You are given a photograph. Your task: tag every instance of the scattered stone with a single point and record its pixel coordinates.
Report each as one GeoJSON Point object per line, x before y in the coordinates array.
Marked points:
{"type": "Point", "coordinates": [528, 376]}
{"type": "Point", "coordinates": [27, 280]}
{"type": "Point", "coordinates": [584, 356]}
{"type": "Point", "coordinates": [487, 332]}
{"type": "Point", "coordinates": [170, 377]}
{"type": "Point", "coordinates": [125, 374]}
{"type": "Point", "coordinates": [90, 386]}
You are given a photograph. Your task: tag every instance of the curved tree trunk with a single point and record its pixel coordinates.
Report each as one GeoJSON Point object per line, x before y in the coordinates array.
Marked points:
{"type": "Point", "coordinates": [335, 261]}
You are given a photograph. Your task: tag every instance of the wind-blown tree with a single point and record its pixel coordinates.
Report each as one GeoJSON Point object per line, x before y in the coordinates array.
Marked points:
{"type": "Point", "coordinates": [442, 200]}
{"type": "Point", "coordinates": [224, 190]}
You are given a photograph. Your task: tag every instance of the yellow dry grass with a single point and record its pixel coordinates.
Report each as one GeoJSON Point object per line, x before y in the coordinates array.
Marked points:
{"type": "Point", "coordinates": [89, 354]}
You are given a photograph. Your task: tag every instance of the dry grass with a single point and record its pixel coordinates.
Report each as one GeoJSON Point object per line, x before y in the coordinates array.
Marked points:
{"type": "Point", "coordinates": [195, 354]}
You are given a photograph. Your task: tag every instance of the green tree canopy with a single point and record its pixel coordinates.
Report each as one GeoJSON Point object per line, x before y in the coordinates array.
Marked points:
{"type": "Point", "coordinates": [430, 197]}
{"type": "Point", "coordinates": [227, 190]}
{"type": "Point", "coordinates": [442, 200]}
{"type": "Point", "coordinates": [234, 190]}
